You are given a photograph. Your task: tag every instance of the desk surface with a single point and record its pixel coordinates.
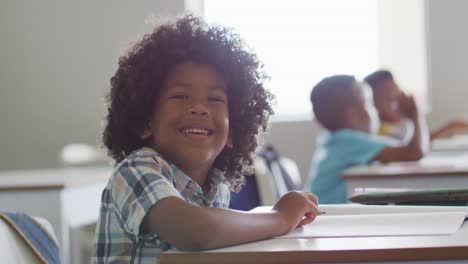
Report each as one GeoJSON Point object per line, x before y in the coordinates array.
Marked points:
{"type": "Point", "coordinates": [455, 143]}
{"type": "Point", "coordinates": [322, 250]}
{"type": "Point", "coordinates": [433, 165]}
{"type": "Point", "coordinates": [53, 178]}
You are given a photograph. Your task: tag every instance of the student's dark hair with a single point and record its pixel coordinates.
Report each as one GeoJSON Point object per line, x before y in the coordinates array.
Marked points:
{"type": "Point", "coordinates": [376, 78]}
{"type": "Point", "coordinates": [141, 73]}
{"type": "Point", "coordinates": [329, 99]}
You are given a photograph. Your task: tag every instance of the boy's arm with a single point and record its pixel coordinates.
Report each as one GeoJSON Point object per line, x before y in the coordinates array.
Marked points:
{"type": "Point", "coordinates": [450, 129]}
{"type": "Point", "coordinates": [189, 227]}
{"type": "Point", "coordinates": [419, 142]}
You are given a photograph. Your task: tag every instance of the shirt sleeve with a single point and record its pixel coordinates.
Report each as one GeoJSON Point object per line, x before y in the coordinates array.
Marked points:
{"type": "Point", "coordinates": [361, 148]}
{"type": "Point", "coordinates": [139, 184]}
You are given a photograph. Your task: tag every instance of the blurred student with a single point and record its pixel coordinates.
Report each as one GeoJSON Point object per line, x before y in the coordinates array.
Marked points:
{"type": "Point", "coordinates": [345, 108]}
{"type": "Point", "coordinates": [388, 98]}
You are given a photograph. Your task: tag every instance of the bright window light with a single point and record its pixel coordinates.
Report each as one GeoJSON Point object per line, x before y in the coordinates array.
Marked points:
{"type": "Point", "coordinates": [301, 42]}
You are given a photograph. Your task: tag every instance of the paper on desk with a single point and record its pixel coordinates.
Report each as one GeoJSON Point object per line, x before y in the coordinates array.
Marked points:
{"type": "Point", "coordinates": [362, 209]}
{"type": "Point", "coordinates": [404, 224]}
{"type": "Point", "coordinates": [430, 164]}
{"type": "Point", "coordinates": [354, 209]}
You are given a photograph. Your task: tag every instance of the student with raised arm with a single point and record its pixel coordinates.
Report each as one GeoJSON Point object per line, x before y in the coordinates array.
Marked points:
{"type": "Point", "coordinates": [345, 109]}
{"type": "Point", "coordinates": [390, 99]}
{"type": "Point", "coordinates": [184, 109]}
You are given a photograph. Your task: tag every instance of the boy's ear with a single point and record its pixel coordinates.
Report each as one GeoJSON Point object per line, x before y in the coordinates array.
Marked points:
{"type": "Point", "coordinates": [229, 141]}
{"type": "Point", "coordinates": [146, 134]}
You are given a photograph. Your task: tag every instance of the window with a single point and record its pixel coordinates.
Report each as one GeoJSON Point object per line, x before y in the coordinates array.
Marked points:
{"type": "Point", "coordinates": [300, 42]}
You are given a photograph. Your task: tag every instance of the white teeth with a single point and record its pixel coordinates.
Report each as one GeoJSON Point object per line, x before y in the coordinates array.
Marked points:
{"type": "Point", "coordinates": [195, 131]}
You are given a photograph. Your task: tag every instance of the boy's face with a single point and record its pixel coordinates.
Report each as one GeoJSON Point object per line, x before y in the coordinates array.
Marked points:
{"type": "Point", "coordinates": [386, 101]}
{"type": "Point", "coordinates": [190, 124]}
{"type": "Point", "coordinates": [365, 117]}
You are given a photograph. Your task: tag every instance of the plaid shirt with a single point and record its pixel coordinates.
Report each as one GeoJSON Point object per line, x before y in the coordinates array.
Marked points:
{"type": "Point", "coordinates": [137, 183]}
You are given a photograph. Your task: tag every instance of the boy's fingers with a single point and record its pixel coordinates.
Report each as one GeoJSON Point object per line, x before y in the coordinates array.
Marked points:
{"type": "Point", "coordinates": [311, 197]}
{"type": "Point", "coordinates": [303, 222]}
{"type": "Point", "coordinates": [308, 218]}
{"type": "Point", "coordinates": [314, 200]}
{"type": "Point", "coordinates": [314, 208]}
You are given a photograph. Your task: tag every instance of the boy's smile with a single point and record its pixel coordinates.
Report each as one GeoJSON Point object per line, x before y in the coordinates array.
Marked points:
{"type": "Point", "coordinates": [190, 124]}
{"type": "Point", "coordinates": [197, 132]}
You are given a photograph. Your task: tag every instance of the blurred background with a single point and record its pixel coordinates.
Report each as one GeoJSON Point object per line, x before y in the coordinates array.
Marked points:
{"type": "Point", "coordinates": [56, 59]}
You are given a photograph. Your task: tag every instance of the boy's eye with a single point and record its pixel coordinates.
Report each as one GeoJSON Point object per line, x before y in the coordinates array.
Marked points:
{"type": "Point", "coordinates": [179, 97]}
{"type": "Point", "coordinates": [216, 99]}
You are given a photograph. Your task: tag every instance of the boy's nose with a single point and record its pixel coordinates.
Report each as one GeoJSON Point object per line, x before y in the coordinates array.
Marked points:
{"type": "Point", "coordinates": [198, 109]}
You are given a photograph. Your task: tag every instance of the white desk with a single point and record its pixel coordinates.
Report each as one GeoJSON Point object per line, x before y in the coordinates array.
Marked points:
{"type": "Point", "coordinates": [436, 171]}
{"type": "Point", "coordinates": [404, 249]}
{"type": "Point", "coordinates": [68, 198]}
{"type": "Point", "coordinates": [457, 143]}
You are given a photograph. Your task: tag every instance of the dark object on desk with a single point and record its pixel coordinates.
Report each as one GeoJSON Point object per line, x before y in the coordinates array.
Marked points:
{"type": "Point", "coordinates": [414, 197]}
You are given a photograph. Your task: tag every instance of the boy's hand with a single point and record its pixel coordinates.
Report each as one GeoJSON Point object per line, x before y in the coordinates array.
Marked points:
{"type": "Point", "coordinates": [450, 129]}
{"type": "Point", "coordinates": [457, 126]}
{"type": "Point", "coordinates": [408, 106]}
{"type": "Point", "coordinates": [297, 208]}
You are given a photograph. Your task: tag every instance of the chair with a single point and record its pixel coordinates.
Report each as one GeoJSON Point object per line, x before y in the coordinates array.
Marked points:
{"type": "Point", "coordinates": [259, 189]}
{"type": "Point", "coordinates": [248, 198]}
{"type": "Point", "coordinates": [266, 186]}
{"type": "Point", "coordinates": [274, 176]}
{"type": "Point", "coordinates": [283, 170]}
{"type": "Point", "coordinates": [14, 248]}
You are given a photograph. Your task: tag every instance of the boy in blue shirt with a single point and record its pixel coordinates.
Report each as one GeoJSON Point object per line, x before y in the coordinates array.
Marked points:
{"type": "Point", "coordinates": [346, 110]}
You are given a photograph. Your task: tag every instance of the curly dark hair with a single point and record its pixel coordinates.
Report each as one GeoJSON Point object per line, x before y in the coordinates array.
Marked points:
{"type": "Point", "coordinates": [141, 73]}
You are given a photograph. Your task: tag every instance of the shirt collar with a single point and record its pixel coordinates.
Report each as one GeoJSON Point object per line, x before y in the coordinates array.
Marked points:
{"type": "Point", "coordinates": [182, 180]}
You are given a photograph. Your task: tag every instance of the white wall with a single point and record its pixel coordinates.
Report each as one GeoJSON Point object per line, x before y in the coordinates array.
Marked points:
{"type": "Point", "coordinates": [56, 59]}
{"type": "Point", "coordinates": [449, 59]}
{"type": "Point", "coordinates": [402, 45]}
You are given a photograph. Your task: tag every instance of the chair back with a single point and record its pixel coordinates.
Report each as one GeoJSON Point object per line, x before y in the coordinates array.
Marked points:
{"type": "Point", "coordinates": [17, 247]}
{"type": "Point", "coordinates": [274, 176]}
{"type": "Point", "coordinates": [283, 170]}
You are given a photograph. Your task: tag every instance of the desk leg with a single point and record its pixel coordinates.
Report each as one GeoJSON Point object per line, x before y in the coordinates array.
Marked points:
{"type": "Point", "coordinates": [80, 208]}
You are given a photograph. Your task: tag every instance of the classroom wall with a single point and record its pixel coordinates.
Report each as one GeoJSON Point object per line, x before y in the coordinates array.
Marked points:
{"type": "Point", "coordinates": [449, 56]}
{"type": "Point", "coordinates": [402, 46]}
{"type": "Point", "coordinates": [56, 59]}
